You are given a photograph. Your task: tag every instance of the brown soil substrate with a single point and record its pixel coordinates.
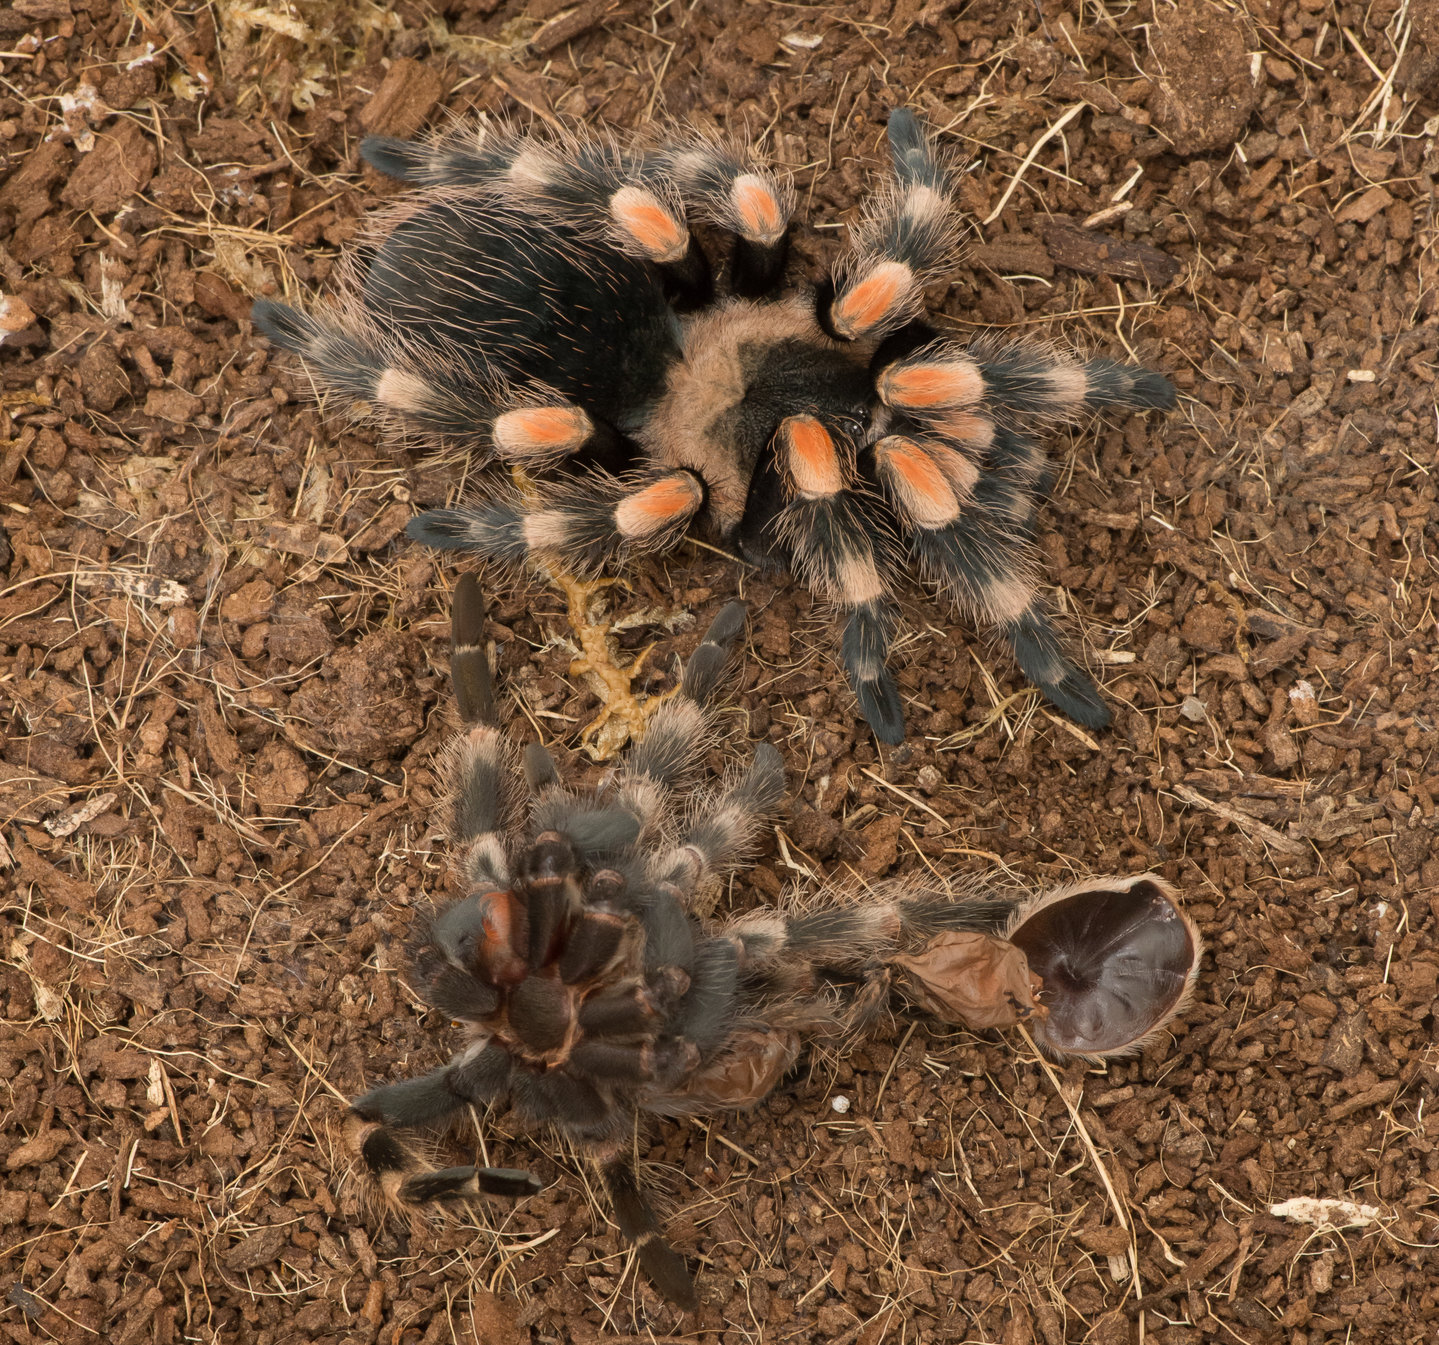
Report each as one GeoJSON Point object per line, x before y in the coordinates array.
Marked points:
{"type": "Point", "coordinates": [223, 689]}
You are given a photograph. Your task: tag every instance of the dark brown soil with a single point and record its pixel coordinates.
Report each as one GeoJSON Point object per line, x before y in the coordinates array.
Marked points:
{"type": "Point", "coordinates": [222, 665]}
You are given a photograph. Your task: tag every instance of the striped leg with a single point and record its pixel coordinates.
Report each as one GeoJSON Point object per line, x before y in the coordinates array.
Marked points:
{"type": "Point", "coordinates": [1013, 378]}
{"type": "Point", "coordinates": [440, 394]}
{"type": "Point", "coordinates": [985, 562]}
{"type": "Point", "coordinates": [838, 551]}
{"type": "Point", "coordinates": [479, 765]}
{"type": "Point", "coordinates": [586, 519]}
{"type": "Point", "coordinates": [908, 238]}
{"type": "Point", "coordinates": [724, 830]}
{"type": "Point", "coordinates": [664, 1266]}
{"type": "Point", "coordinates": [585, 184]}
{"type": "Point", "coordinates": [481, 1075]}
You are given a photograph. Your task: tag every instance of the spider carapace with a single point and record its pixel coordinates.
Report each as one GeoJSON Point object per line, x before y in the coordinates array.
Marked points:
{"type": "Point", "coordinates": [544, 300]}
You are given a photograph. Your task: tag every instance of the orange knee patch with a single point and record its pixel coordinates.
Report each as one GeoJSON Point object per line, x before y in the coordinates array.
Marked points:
{"type": "Point", "coordinates": [931, 385]}
{"type": "Point", "coordinates": [811, 456]}
{"type": "Point", "coordinates": [534, 430]}
{"type": "Point", "coordinates": [652, 225]}
{"type": "Point", "coordinates": [760, 216]}
{"type": "Point", "coordinates": [923, 491]}
{"type": "Point", "coordinates": [658, 507]}
{"type": "Point", "coordinates": [864, 305]}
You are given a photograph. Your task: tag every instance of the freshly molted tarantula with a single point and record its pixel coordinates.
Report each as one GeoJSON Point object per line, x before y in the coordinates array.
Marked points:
{"type": "Point", "coordinates": [590, 993]}
{"type": "Point", "coordinates": [543, 299]}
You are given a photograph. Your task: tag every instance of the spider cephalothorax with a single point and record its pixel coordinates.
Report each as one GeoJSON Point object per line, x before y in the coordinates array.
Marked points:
{"type": "Point", "coordinates": [591, 993]}
{"type": "Point", "coordinates": [544, 300]}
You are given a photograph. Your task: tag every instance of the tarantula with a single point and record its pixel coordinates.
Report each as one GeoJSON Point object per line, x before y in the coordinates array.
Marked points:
{"type": "Point", "coordinates": [543, 299]}
{"type": "Point", "coordinates": [590, 993]}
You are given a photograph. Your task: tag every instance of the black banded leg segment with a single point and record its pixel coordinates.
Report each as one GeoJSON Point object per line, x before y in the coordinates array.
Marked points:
{"type": "Point", "coordinates": [980, 567]}
{"type": "Point", "coordinates": [469, 663]}
{"type": "Point", "coordinates": [462, 1182]}
{"type": "Point", "coordinates": [459, 160]}
{"type": "Point", "coordinates": [837, 548]}
{"type": "Point", "coordinates": [724, 830]}
{"type": "Point", "coordinates": [348, 364]}
{"type": "Point", "coordinates": [586, 519]}
{"type": "Point", "coordinates": [664, 1266]}
{"type": "Point", "coordinates": [401, 1175]}
{"type": "Point", "coordinates": [863, 649]}
{"type": "Point", "coordinates": [921, 918]}
{"type": "Point", "coordinates": [357, 358]}
{"type": "Point", "coordinates": [970, 532]}
{"type": "Point", "coordinates": [1110, 383]}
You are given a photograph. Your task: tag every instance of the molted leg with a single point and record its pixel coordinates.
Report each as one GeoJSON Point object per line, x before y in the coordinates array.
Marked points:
{"type": "Point", "coordinates": [661, 1263]}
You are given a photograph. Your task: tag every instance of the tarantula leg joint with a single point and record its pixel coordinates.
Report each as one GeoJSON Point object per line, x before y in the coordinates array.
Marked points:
{"type": "Point", "coordinates": [873, 301]}
{"type": "Point", "coordinates": [811, 457]}
{"type": "Point", "coordinates": [541, 431]}
{"type": "Point", "coordinates": [761, 217]}
{"type": "Point", "coordinates": [925, 494]}
{"type": "Point", "coordinates": [931, 384]}
{"type": "Point", "coordinates": [657, 508]}
{"type": "Point", "coordinates": [644, 218]}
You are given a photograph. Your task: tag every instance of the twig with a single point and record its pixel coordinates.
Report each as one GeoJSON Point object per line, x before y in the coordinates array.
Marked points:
{"type": "Point", "coordinates": [907, 797]}
{"type": "Point", "coordinates": [1024, 165]}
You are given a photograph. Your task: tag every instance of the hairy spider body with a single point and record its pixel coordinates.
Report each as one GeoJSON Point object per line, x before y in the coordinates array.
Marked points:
{"type": "Point", "coordinates": [590, 993]}
{"type": "Point", "coordinates": [544, 301]}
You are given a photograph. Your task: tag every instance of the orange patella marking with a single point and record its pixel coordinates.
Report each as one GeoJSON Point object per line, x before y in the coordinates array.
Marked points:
{"type": "Point", "coordinates": [657, 506]}
{"type": "Point", "coordinates": [813, 461]}
{"type": "Point", "coordinates": [646, 220]}
{"type": "Point", "coordinates": [757, 208]}
{"type": "Point", "coordinates": [542, 428]}
{"type": "Point", "coordinates": [925, 492]}
{"type": "Point", "coordinates": [868, 303]}
{"type": "Point", "coordinates": [932, 385]}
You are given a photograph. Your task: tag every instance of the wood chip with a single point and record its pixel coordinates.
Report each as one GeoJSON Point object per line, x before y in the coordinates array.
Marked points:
{"type": "Point", "coordinates": [305, 539]}
{"type": "Point", "coordinates": [74, 818]}
{"type": "Point", "coordinates": [149, 588]}
{"type": "Point", "coordinates": [569, 26]}
{"type": "Point", "coordinates": [407, 95]}
{"type": "Point", "coordinates": [1245, 824]}
{"type": "Point", "coordinates": [1097, 254]}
